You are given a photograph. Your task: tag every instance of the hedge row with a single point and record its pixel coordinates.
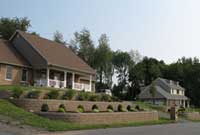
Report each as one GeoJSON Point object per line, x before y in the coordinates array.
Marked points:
{"type": "Point", "coordinates": [64, 94]}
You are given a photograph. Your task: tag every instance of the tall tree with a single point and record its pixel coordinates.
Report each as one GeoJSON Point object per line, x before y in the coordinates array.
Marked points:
{"type": "Point", "coordinates": [85, 46]}
{"type": "Point", "coordinates": [58, 37]}
{"type": "Point", "coordinates": [151, 69]}
{"type": "Point", "coordinates": [8, 26]}
{"type": "Point", "coordinates": [104, 62]}
{"type": "Point", "coordinates": [122, 62]}
{"type": "Point", "coordinates": [135, 56]}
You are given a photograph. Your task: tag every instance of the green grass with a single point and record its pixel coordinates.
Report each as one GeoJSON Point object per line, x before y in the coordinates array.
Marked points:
{"type": "Point", "coordinates": [193, 110]}
{"type": "Point", "coordinates": [26, 118]}
{"type": "Point", "coordinates": [149, 106]}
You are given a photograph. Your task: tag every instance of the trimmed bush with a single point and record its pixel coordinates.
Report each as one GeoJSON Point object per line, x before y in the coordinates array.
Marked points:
{"type": "Point", "coordinates": [137, 107]}
{"type": "Point", "coordinates": [17, 92]}
{"type": "Point", "coordinates": [69, 94]}
{"type": "Point", "coordinates": [53, 94]}
{"type": "Point", "coordinates": [181, 110]}
{"type": "Point", "coordinates": [120, 108]}
{"type": "Point", "coordinates": [105, 97]}
{"type": "Point", "coordinates": [83, 96]}
{"type": "Point", "coordinates": [116, 99]}
{"type": "Point", "coordinates": [80, 109]}
{"type": "Point", "coordinates": [110, 108]}
{"type": "Point", "coordinates": [34, 94]}
{"type": "Point", "coordinates": [95, 108]}
{"type": "Point", "coordinates": [62, 108]}
{"type": "Point", "coordinates": [45, 108]}
{"type": "Point", "coordinates": [94, 97]}
{"type": "Point", "coordinates": [131, 109]}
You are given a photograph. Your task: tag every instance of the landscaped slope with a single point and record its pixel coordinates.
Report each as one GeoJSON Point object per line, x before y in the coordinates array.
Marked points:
{"type": "Point", "coordinates": [27, 118]}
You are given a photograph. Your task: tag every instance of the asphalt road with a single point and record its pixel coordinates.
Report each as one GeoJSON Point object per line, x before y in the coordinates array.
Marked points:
{"type": "Point", "coordinates": [170, 129]}
{"type": "Point", "coordinates": [187, 128]}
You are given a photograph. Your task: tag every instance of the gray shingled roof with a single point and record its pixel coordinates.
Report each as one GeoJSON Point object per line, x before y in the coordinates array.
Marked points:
{"type": "Point", "coordinates": [162, 91]}
{"type": "Point", "coordinates": [172, 85]}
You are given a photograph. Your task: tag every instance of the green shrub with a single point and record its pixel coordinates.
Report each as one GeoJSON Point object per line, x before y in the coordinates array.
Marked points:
{"type": "Point", "coordinates": [34, 94]}
{"type": "Point", "coordinates": [80, 109]}
{"type": "Point", "coordinates": [95, 108]}
{"type": "Point", "coordinates": [121, 108]}
{"type": "Point", "coordinates": [53, 94]}
{"type": "Point", "coordinates": [69, 94]}
{"type": "Point", "coordinates": [110, 108]}
{"type": "Point", "coordinates": [17, 92]}
{"type": "Point", "coordinates": [105, 97]}
{"type": "Point", "coordinates": [94, 97]}
{"type": "Point", "coordinates": [116, 99]}
{"type": "Point", "coordinates": [45, 108]}
{"type": "Point", "coordinates": [137, 107]}
{"type": "Point", "coordinates": [181, 110]}
{"type": "Point", "coordinates": [83, 96]}
{"type": "Point", "coordinates": [131, 109]}
{"type": "Point", "coordinates": [62, 108]}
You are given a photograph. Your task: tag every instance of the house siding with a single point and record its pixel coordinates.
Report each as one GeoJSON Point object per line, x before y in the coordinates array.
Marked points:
{"type": "Point", "coordinates": [16, 75]}
{"type": "Point", "coordinates": [29, 53]}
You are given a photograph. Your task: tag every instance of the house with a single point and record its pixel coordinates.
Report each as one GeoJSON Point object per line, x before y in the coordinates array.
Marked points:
{"type": "Point", "coordinates": [168, 93]}
{"type": "Point", "coordinates": [30, 59]}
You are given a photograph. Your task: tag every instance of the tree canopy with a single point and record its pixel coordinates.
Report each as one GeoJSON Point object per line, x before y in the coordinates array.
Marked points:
{"type": "Point", "coordinates": [9, 25]}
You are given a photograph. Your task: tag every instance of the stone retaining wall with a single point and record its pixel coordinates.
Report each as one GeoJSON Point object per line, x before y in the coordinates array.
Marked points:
{"type": "Point", "coordinates": [193, 116]}
{"type": "Point", "coordinates": [71, 106]}
{"type": "Point", "coordinates": [4, 94]}
{"type": "Point", "coordinates": [103, 118]}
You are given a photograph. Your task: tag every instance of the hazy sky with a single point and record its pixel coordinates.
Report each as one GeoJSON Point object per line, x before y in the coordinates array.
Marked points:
{"type": "Point", "coordinates": [164, 29]}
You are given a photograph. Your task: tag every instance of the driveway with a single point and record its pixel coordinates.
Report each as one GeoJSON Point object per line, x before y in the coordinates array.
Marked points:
{"type": "Point", "coordinates": [170, 129]}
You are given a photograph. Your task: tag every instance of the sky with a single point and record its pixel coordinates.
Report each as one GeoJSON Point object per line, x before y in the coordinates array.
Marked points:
{"type": "Point", "coordinates": [163, 29]}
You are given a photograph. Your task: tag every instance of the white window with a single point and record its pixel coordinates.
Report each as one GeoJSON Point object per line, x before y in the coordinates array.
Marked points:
{"type": "Point", "coordinates": [9, 73]}
{"type": "Point", "coordinates": [24, 75]}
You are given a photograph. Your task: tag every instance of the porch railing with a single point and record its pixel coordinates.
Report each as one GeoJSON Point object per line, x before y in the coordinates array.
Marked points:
{"type": "Point", "coordinates": [41, 82]}
{"type": "Point", "coordinates": [81, 86]}
{"type": "Point", "coordinates": [56, 83]}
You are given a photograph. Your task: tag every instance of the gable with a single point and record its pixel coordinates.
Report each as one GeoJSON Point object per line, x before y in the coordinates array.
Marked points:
{"type": "Point", "coordinates": [29, 53]}
{"type": "Point", "coordinates": [9, 55]}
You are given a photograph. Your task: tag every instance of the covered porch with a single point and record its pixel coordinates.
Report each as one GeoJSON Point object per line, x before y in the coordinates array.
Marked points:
{"type": "Point", "coordinates": [56, 78]}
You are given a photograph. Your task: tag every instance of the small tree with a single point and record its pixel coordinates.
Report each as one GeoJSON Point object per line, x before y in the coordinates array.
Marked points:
{"type": "Point", "coordinates": [153, 91]}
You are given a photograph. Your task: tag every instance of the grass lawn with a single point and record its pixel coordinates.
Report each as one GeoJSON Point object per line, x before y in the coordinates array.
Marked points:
{"type": "Point", "coordinates": [150, 106]}
{"type": "Point", "coordinates": [27, 118]}
{"type": "Point", "coordinates": [193, 110]}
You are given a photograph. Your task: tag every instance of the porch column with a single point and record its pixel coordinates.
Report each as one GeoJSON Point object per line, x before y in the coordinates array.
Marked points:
{"type": "Point", "coordinates": [47, 77]}
{"type": "Point", "coordinates": [73, 77]}
{"type": "Point", "coordinates": [184, 103]}
{"type": "Point", "coordinates": [65, 79]}
{"type": "Point", "coordinates": [90, 83]}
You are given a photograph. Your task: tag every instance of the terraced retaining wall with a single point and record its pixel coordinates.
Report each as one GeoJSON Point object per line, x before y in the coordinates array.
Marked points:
{"type": "Point", "coordinates": [103, 118]}
{"type": "Point", "coordinates": [34, 105]}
